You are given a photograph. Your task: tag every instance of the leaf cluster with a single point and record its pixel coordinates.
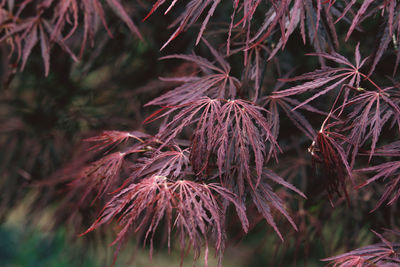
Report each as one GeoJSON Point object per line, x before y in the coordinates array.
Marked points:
{"type": "Point", "coordinates": [220, 130]}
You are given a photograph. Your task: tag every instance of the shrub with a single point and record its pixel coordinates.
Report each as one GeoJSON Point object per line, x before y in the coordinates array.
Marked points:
{"type": "Point", "coordinates": [237, 125]}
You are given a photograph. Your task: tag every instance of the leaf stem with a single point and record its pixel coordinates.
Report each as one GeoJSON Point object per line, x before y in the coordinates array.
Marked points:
{"type": "Point", "coordinates": [371, 81]}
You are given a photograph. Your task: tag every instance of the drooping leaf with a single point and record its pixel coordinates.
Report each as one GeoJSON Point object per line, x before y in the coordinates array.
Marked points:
{"type": "Point", "coordinates": [390, 172]}
{"type": "Point", "coordinates": [189, 208]}
{"type": "Point", "coordinates": [385, 253]}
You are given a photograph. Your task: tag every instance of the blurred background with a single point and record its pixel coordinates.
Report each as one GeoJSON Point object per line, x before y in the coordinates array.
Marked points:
{"type": "Point", "coordinates": [45, 120]}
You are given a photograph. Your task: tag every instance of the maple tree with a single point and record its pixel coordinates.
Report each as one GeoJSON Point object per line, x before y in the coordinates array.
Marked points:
{"type": "Point", "coordinates": [239, 133]}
